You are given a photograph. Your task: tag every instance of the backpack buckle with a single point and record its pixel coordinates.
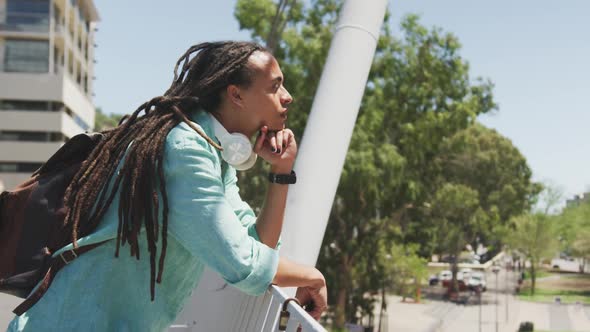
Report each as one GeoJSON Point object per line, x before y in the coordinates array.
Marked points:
{"type": "Point", "coordinates": [72, 256]}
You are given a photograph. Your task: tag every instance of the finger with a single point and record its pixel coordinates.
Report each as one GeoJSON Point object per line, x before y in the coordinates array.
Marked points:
{"type": "Point", "coordinates": [288, 137]}
{"type": "Point", "coordinates": [273, 141]}
{"type": "Point", "coordinates": [316, 314]}
{"type": "Point", "coordinates": [280, 145]}
{"type": "Point", "coordinates": [291, 141]}
{"type": "Point", "coordinates": [260, 139]}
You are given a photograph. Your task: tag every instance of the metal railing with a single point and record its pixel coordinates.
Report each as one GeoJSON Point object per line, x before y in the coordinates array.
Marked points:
{"type": "Point", "coordinates": [261, 314]}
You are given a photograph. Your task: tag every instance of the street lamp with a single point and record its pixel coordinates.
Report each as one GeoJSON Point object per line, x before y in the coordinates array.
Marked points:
{"type": "Point", "coordinates": [496, 269]}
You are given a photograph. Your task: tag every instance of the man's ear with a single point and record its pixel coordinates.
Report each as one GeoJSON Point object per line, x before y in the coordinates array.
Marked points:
{"type": "Point", "coordinates": [234, 95]}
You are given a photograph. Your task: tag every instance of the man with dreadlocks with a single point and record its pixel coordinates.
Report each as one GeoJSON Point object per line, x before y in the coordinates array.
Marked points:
{"type": "Point", "coordinates": [165, 174]}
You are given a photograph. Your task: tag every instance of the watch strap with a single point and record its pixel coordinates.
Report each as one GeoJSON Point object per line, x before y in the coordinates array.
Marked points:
{"type": "Point", "coordinates": [282, 178]}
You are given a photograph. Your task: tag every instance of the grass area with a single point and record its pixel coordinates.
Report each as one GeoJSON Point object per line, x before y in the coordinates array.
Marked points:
{"type": "Point", "coordinates": [544, 295]}
{"type": "Point", "coordinates": [540, 273]}
{"type": "Point", "coordinates": [570, 288]}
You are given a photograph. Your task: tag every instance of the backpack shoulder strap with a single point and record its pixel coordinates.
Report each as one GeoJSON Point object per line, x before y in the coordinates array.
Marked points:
{"type": "Point", "coordinates": [56, 264]}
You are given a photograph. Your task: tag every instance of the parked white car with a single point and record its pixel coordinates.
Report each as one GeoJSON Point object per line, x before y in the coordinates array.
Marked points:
{"type": "Point", "coordinates": [445, 275]}
{"type": "Point", "coordinates": [477, 279]}
{"type": "Point", "coordinates": [464, 274]}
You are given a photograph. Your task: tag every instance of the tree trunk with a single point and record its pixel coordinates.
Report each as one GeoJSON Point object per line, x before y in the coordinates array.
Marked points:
{"type": "Point", "coordinates": [533, 277]}
{"type": "Point", "coordinates": [454, 269]}
{"type": "Point", "coordinates": [383, 308]}
{"type": "Point", "coordinates": [340, 314]}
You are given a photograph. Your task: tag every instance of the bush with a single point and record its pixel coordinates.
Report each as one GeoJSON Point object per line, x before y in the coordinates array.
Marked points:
{"type": "Point", "coordinates": [526, 327]}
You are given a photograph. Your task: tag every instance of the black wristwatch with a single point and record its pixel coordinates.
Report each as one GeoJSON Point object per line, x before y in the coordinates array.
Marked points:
{"type": "Point", "coordinates": [282, 178]}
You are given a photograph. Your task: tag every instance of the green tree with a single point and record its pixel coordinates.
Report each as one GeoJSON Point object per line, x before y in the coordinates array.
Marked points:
{"type": "Point", "coordinates": [104, 121]}
{"type": "Point", "coordinates": [581, 248]}
{"type": "Point", "coordinates": [536, 237]}
{"type": "Point", "coordinates": [456, 208]}
{"type": "Point", "coordinates": [573, 227]}
{"type": "Point", "coordinates": [419, 94]}
{"type": "Point", "coordinates": [405, 270]}
{"type": "Point", "coordinates": [487, 162]}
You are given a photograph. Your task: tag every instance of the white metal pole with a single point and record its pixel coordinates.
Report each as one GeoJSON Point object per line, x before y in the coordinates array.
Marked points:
{"type": "Point", "coordinates": [319, 163]}
{"type": "Point", "coordinates": [329, 128]}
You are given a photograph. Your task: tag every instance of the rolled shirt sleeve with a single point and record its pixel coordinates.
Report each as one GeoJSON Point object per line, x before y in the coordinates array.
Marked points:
{"type": "Point", "coordinates": [203, 220]}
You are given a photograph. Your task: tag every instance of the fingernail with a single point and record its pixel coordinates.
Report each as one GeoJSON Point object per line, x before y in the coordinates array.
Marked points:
{"type": "Point", "coordinates": [274, 150]}
{"type": "Point", "coordinates": [279, 151]}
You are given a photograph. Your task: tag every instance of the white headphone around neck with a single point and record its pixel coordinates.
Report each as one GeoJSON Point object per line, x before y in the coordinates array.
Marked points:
{"type": "Point", "coordinates": [237, 149]}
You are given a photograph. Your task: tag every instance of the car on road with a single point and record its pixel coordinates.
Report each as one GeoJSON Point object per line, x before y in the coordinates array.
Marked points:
{"type": "Point", "coordinates": [433, 280]}
{"type": "Point", "coordinates": [446, 278]}
{"type": "Point", "coordinates": [477, 280]}
{"type": "Point", "coordinates": [445, 275]}
{"type": "Point", "coordinates": [464, 274]}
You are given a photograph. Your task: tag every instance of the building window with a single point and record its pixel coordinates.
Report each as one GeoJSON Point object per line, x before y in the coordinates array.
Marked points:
{"type": "Point", "coordinates": [19, 167]}
{"type": "Point", "coordinates": [31, 136]}
{"type": "Point", "coordinates": [78, 120]}
{"type": "Point", "coordinates": [25, 105]}
{"type": "Point", "coordinates": [31, 56]}
{"type": "Point", "coordinates": [27, 15]}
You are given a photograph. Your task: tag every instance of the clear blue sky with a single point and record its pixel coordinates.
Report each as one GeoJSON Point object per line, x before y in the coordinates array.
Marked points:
{"type": "Point", "coordinates": [536, 52]}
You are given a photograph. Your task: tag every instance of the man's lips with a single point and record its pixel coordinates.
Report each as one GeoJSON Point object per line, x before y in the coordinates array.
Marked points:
{"type": "Point", "coordinates": [284, 114]}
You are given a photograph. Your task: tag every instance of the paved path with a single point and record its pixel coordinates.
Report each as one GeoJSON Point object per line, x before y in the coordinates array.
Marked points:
{"type": "Point", "coordinates": [7, 303]}
{"type": "Point", "coordinates": [559, 318]}
{"type": "Point", "coordinates": [441, 316]}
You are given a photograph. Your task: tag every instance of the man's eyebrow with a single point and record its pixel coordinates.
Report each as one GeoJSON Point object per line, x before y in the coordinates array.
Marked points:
{"type": "Point", "coordinates": [278, 79]}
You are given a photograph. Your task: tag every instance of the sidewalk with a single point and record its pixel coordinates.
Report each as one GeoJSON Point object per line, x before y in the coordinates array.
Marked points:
{"type": "Point", "coordinates": [439, 316]}
{"type": "Point", "coordinates": [410, 317]}
{"type": "Point", "coordinates": [7, 304]}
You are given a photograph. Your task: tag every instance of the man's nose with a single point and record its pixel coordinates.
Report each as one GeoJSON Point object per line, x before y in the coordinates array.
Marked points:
{"type": "Point", "coordinates": [286, 98]}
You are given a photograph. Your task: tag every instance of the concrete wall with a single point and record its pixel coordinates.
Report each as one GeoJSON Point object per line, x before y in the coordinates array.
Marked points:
{"type": "Point", "coordinates": [39, 121]}
{"type": "Point", "coordinates": [10, 181]}
{"type": "Point", "coordinates": [27, 152]}
{"type": "Point", "coordinates": [30, 86]}
{"type": "Point", "coordinates": [75, 98]}
{"type": "Point", "coordinates": [2, 10]}
{"type": "Point", "coordinates": [1, 50]}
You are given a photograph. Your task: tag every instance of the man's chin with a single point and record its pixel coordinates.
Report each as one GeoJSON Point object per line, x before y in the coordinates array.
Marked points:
{"type": "Point", "coordinates": [277, 127]}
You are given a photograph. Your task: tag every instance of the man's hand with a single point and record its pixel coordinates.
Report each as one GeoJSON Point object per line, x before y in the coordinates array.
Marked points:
{"type": "Point", "coordinates": [314, 298]}
{"type": "Point", "coordinates": [277, 148]}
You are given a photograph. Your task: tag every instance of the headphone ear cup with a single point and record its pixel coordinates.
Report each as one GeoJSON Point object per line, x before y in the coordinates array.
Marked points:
{"type": "Point", "coordinates": [237, 149]}
{"type": "Point", "coordinates": [248, 164]}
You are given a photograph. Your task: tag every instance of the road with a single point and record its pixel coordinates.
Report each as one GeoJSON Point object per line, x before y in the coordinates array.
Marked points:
{"type": "Point", "coordinates": [500, 311]}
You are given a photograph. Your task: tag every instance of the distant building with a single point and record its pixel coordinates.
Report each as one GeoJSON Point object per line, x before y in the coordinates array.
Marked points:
{"type": "Point", "coordinates": [578, 199]}
{"type": "Point", "coordinates": [46, 75]}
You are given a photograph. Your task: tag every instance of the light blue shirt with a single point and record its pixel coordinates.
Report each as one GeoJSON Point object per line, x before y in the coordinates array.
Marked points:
{"type": "Point", "coordinates": [209, 224]}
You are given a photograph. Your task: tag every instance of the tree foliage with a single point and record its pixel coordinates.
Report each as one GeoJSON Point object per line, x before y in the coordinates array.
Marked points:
{"type": "Point", "coordinates": [403, 186]}
{"type": "Point", "coordinates": [535, 237]}
{"type": "Point", "coordinates": [104, 121]}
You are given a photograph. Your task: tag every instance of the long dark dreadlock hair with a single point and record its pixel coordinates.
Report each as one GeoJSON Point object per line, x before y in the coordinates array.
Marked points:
{"type": "Point", "coordinates": [199, 84]}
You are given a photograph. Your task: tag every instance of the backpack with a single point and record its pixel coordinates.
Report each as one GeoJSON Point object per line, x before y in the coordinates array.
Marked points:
{"type": "Point", "coordinates": [31, 224]}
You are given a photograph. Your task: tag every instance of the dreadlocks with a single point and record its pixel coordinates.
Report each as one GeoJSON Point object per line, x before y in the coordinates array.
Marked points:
{"type": "Point", "coordinates": [140, 140]}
